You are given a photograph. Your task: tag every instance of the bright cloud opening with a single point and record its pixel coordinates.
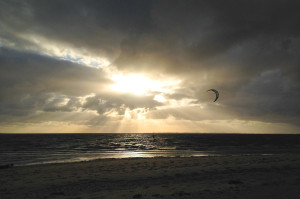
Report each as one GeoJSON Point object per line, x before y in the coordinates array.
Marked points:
{"type": "Point", "coordinates": [159, 98]}
{"type": "Point", "coordinates": [140, 85]}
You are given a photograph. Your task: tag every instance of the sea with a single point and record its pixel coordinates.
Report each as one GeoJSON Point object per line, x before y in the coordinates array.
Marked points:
{"type": "Point", "coordinates": [32, 149]}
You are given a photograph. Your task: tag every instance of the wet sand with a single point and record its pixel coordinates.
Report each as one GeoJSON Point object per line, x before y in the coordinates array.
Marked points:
{"type": "Point", "coordinates": [252, 176]}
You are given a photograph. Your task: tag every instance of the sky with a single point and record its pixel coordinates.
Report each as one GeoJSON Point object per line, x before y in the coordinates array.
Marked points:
{"type": "Point", "coordinates": [145, 66]}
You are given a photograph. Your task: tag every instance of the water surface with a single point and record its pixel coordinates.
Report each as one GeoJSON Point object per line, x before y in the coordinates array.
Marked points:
{"type": "Point", "coordinates": [28, 149]}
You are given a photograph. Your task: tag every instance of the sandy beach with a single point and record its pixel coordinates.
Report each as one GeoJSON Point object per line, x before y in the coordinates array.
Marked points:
{"type": "Point", "coordinates": [244, 176]}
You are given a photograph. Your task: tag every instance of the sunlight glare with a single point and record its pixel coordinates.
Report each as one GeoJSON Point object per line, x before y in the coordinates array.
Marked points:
{"type": "Point", "coordinates": [138, 84]}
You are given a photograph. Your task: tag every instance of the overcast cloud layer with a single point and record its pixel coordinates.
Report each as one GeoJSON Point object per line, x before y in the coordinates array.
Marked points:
{"type": "Point", "coordinates": [57, 59]}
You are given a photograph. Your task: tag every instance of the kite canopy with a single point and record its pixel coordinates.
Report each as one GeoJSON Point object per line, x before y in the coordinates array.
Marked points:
{"type": "Point", "coordinates": [216, 92]}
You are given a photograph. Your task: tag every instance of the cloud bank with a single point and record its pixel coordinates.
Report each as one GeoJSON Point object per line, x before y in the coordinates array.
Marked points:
{"type": "Point", "coordinates": [57, 60]}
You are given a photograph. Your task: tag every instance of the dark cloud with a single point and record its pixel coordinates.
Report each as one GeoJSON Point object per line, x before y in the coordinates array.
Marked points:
{"type": "Point", "coordinates": [99, 26]}
{"type": "Point", "coordinates": [38, 73]}
{"type": "Point", "coordinates": [29, 81]}
{"type": "Point", "coordinates": [190, 36]}
{"type": "Point", "coordinates": [270, 96]}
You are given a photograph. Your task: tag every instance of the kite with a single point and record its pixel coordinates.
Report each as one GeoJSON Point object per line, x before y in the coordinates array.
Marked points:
{"type": "Point", "coordinates": [216, 92]}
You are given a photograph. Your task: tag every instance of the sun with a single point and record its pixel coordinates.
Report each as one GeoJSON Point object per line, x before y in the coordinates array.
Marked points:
{"type": "Point", "coordinates": [136, 84]}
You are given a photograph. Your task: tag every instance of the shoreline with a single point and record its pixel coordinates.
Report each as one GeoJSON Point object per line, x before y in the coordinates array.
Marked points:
{"type": "Point", "coordinates": [101, 159]}
{"type": "Point", "coordinates": [158, 157]}
{"type": "Point", "coordinates": [246, 176]}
